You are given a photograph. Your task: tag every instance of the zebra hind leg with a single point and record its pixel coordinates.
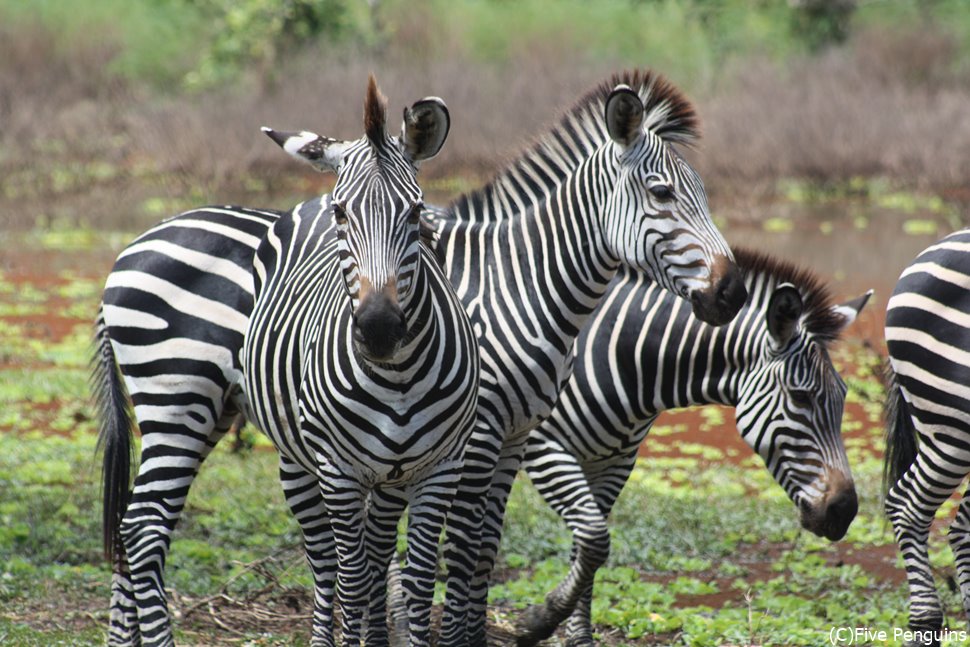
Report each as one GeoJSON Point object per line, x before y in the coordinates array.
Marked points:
{"type": "Point", "coordinates": [911, 505]}
{"type": "Point", "coordinates": [170, 460]}
{"type": "Point", "coordinates": [959, 538]}
{"type": "Point", "coordinates": [302, 493]}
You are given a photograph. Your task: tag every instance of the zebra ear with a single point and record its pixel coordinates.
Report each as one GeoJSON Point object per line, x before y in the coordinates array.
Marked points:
{"type": "Point", "coordinates": [851, 309]}
{"type": "Point", "coordinates": [784, 309]}
{"type": "Point", "coordinates": [425, 128]}
{"type": "Point", "coordinates": [624, 115]}
{"type": "Point", "coordinates": [322, 153]}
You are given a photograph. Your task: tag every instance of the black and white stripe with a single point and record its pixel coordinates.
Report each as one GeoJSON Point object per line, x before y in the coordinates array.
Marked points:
{"type": "Point", "coordinates": [361, 366]}
{"type": "Point", "coordinates": [533, 253]}
{"type": "Point", "coordinates": [645, 352]}
{"type": "Point", "coordinates": [928, 420]}
{"type": "Point", "coordinates": [173, 316]}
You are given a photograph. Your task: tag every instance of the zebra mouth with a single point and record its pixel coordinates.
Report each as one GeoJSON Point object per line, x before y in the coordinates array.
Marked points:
{"type": "Point", "coordinates": [720, 303]}
{"type": "Point", "coordinates": [831, 517]}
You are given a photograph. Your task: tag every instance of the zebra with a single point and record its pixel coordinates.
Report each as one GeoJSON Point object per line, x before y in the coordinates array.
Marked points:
{"type": "Point", "coordinates": [533, 252]}
{"type": "Point", "coordinates": [168, 333]}
{"type": "Point", "coordinates": [928, 419]}
{"type": "Point", "coordinates": [174, 314]}
{"type": "Point", "coordinates": [605, 186]}
{"type": "Point", "coordinates": [643, 353]}
{"type": "Point", "coordinates": [360, 363]}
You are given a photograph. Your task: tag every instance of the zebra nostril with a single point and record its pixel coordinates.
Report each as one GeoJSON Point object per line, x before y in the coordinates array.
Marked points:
{"type": "Point", "coordinates": [731, 293]}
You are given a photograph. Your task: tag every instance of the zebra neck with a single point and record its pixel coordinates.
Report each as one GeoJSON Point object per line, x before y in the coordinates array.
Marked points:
{"type": "Point", "coordinates": [662, 356]}
{"type": "Point", "coordinates": [532, 240]}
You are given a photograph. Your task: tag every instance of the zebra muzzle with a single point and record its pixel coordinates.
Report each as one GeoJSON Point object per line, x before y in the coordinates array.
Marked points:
{"type": "Point", "coordinates": [725, 297]}
{"type": "Point", "coordinates": [831, 514]}
{"type": "Point", "coordinates": [379, 326]}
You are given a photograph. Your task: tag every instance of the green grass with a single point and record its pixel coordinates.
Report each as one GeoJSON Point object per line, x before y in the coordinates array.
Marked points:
{"type": "Point", "coordinates": [706, 551]}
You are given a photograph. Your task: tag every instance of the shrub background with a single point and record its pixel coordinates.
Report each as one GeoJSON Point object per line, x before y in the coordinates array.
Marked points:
{"type": "Point", "coordinates": [119, 113]}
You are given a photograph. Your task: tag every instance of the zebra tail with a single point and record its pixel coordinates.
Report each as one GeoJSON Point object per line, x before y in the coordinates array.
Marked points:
{"type": "Point", "coordinates": [114, 438]}
{"type": "Point", "coordinates": [900, 433]}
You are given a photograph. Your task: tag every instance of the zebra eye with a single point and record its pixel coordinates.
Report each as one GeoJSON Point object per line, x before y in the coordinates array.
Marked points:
{"type": "Point", "coordinates": [801, 398]}
{"type": "Point", "coordinates": [662, 192]}
{"type": "Point", "coordinates": [339, 215]}
{"type": "Point", "coordinates": [414, 216]}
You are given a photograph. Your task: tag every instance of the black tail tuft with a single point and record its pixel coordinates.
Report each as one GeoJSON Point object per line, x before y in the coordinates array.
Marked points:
{"type": "Point", "coordinates": [900, 433]}
{"type": "Point", "coordinates": [114, 438]}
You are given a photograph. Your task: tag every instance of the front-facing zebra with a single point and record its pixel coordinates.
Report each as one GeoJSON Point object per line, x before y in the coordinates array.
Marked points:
{"type": "Point", "coordinates": [928, 419]}
{"type": "Point", "coordinates": [386, 397]}
{"type": "Point", "coordinates": [360, 363]}
{"type": "Point", "coordinates": [643, 353]}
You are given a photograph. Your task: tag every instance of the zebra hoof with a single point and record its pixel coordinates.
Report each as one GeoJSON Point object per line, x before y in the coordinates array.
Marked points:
{"type": "Point", "coordinates": [579, 639]}
{"type": "Point", "coordinates": [534, 626]}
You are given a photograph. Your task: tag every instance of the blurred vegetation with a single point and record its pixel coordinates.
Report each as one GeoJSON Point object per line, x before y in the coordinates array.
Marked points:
{"type": "Point", "coordinates": [204, 43]}
{"type": "Point", "coordinates": [118, 113]}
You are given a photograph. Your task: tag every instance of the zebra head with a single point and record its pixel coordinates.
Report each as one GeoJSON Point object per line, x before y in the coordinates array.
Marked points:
{"type": "Point", "coordinates": [657, 218]}
{"type": "Point", "coordinates": [790, 407]}
{"type": "Point", "coordinates": [376, 205]}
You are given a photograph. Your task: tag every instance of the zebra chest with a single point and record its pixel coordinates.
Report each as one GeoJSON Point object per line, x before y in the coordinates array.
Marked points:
{"type": "Point", "coordinates": [381, 429]}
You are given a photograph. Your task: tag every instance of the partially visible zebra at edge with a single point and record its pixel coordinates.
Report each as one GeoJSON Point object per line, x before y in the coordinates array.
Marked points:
{"type": "Point", "coordinates": [928, 419]}
{"type": "Point", "coordinates": [643, 353]}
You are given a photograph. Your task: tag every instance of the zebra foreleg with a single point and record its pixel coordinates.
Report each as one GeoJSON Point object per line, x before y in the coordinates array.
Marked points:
{"type": "Point", "coordinates": [345, 498]}
{"type": "Point", "coordinates": [910, 505]}
{"type": "Point", "coordinates": [430, 502]}
{"type": "Point", "coordinates": [386, 505]}
{"type": "Point", "coordinates": [463, 535]}
{"type": "Point", "coordinates": [584, 505]}
{"type": "Point", "coordinates": [606, 485]}
{"type": "Point", "coordinates": [302, 492]}
{"type": "Point", "coordinates": [498, 496]}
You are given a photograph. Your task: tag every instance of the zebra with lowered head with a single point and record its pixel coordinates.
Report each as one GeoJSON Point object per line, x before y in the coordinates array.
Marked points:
{"type": "Point", "coordinates": [928, 419]}
{"type": "Point", "coordinates": [643, 353]}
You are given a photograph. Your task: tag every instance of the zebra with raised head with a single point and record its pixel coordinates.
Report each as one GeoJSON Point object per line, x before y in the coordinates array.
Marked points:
{"type": "Point", "coordinates": [928, 419]}
{"type": "Point", "coordinates": [410, 348]}
{"type": "Point", "coordinates": [360, 363]}
{"type": "Point", "coordinates": [532, 254]}
{"type": "Point", "coordinates": [643, 353]}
